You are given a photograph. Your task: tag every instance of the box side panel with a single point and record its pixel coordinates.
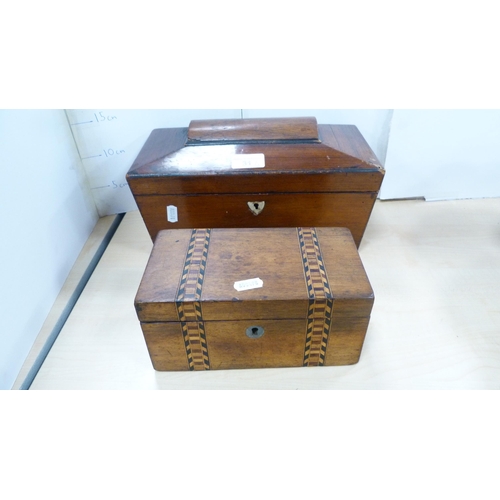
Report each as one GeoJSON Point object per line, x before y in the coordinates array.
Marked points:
{"type": "Point", "coordinates": [348, 139]}
{"type": "Point", "coordinates": [351, 210]}
{"type": "Point", "coordinates": [166, 346]}
{"type": "Point", "coordinates": [346, 340]}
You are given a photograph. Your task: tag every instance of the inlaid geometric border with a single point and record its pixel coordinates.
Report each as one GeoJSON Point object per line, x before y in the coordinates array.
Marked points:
{"type": "Point", "coordinates": [188, 301]}
{"type": "Point", "coordinates": [320, 297]}
{"type": "Point", "coordinates": [195, 342]}
{"type": "Point", "coordinates": [314, 268]}
{"type": "Point", "coordinates": [319, 319]}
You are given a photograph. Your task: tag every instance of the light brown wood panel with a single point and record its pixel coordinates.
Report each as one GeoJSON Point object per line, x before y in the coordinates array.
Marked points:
{"type": "Point", "coordinates": [271, 254]}
{"type": "Point", "coordinates": [345, 340]}
{"type": "Point", "coordinates": [281, 345]}
{"type": "Point", "coordinates": [228, 345]}
{"type": "Point", "coordinates": [165, 346]}
{"type": "Point", "coordinates": [346, 272]}
{"type": "Point", "coordinates": [155, 298]}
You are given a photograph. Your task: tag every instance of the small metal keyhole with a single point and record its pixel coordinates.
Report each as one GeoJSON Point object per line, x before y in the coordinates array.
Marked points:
{"type": "Point", "coordinates": [255, 332]}
{"type": "Point", "coordinates": [256, 207]}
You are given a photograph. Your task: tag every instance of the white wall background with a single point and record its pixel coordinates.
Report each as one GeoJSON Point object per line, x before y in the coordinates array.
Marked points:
{"type": "Point", "coordinates": [47, 215]}
{"type": "Point", "coordinates": [436, 154]}
{"type": "Point", "coordinates": [109, 140]}
{"type": "Point", "coordinates": [443, 154]}
{"type": "Point", "coordinates": [61, 170]}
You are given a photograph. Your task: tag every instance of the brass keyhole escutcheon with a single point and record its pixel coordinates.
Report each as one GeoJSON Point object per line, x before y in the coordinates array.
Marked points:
{"type": "Point", "coordinates": [256, 207]}
{"type": "Point", "coordinates": [255, 332]}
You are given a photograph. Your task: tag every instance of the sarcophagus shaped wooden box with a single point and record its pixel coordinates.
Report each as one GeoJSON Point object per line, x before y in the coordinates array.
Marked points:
{"type": "Point", "coordinates": [286, 172]}
{"type": "Point", "coordinates": [254, 298]}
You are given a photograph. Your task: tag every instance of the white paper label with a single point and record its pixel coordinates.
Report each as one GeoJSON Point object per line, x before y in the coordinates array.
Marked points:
{"type": "Point", "coordinates": [240, 286]}
{"type": "Point", "coordinates": [172, 213]}
{"type": "Point", "coordinates": [254, 160]}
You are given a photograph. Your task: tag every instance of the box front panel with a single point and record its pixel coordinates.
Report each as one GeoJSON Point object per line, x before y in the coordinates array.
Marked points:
{"type": "Point", "coordinates": [351, 210]}
{"type": "Point", "coordinates": [281, 344]}
{"type": "Point", "coordinates": [224, 345]}
{"type": "Point", "coordinates": [229, 344]}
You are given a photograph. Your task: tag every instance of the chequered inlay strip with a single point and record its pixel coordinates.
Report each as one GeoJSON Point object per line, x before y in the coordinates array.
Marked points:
{"type": "Point", "coordinates": [188, 300]}
{"type": "Point", "coordinates": [195, 342]}
{"type": "Point", "coordinates": [319, 319]}
{"type": "Point", "coordinates": [320, 298]}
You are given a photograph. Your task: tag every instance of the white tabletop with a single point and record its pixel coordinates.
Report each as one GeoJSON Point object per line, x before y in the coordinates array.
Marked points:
{"type": "Point", "coordinates": [435, 271]}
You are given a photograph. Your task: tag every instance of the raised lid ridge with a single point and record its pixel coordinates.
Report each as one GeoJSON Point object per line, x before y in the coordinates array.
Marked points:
{"type": "Point", "coordinates": [304, 129]}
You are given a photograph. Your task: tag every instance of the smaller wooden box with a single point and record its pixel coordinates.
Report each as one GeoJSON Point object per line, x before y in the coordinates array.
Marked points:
{"type": "Point", "coordinates": [197, 311]}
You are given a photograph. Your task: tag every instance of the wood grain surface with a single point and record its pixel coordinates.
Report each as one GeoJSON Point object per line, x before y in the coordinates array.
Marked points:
{"type": "Point", "coordinates": [332, 180]}
{"type": "Point", "coordinates": [351, 211]}
{"type": "Point", "coordinates": [194, 298]}
{"type": "Point", "coordinates": [253, 129]}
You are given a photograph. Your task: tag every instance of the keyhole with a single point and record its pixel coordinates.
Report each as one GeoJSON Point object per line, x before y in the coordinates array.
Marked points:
{"type": "Point", "coordinates": [255, 332]}
{"type": "Point", "coordinates": [256, 207]}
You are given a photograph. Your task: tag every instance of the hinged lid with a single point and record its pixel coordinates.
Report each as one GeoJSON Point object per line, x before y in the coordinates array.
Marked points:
{"type": "Point", "coordinates": [191, 275]}
{"type": "Point", "coordinates": [189, 160]}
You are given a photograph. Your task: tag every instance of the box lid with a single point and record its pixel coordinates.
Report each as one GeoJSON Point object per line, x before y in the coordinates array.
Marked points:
{"type": "Point", "coordinates": [191, 274]}
{"type": "Point", "coordinates": [249, 153]}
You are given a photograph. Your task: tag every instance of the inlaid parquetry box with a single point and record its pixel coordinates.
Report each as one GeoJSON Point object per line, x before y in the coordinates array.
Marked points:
{"type": "Point", "coordinates": [254, 297]}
